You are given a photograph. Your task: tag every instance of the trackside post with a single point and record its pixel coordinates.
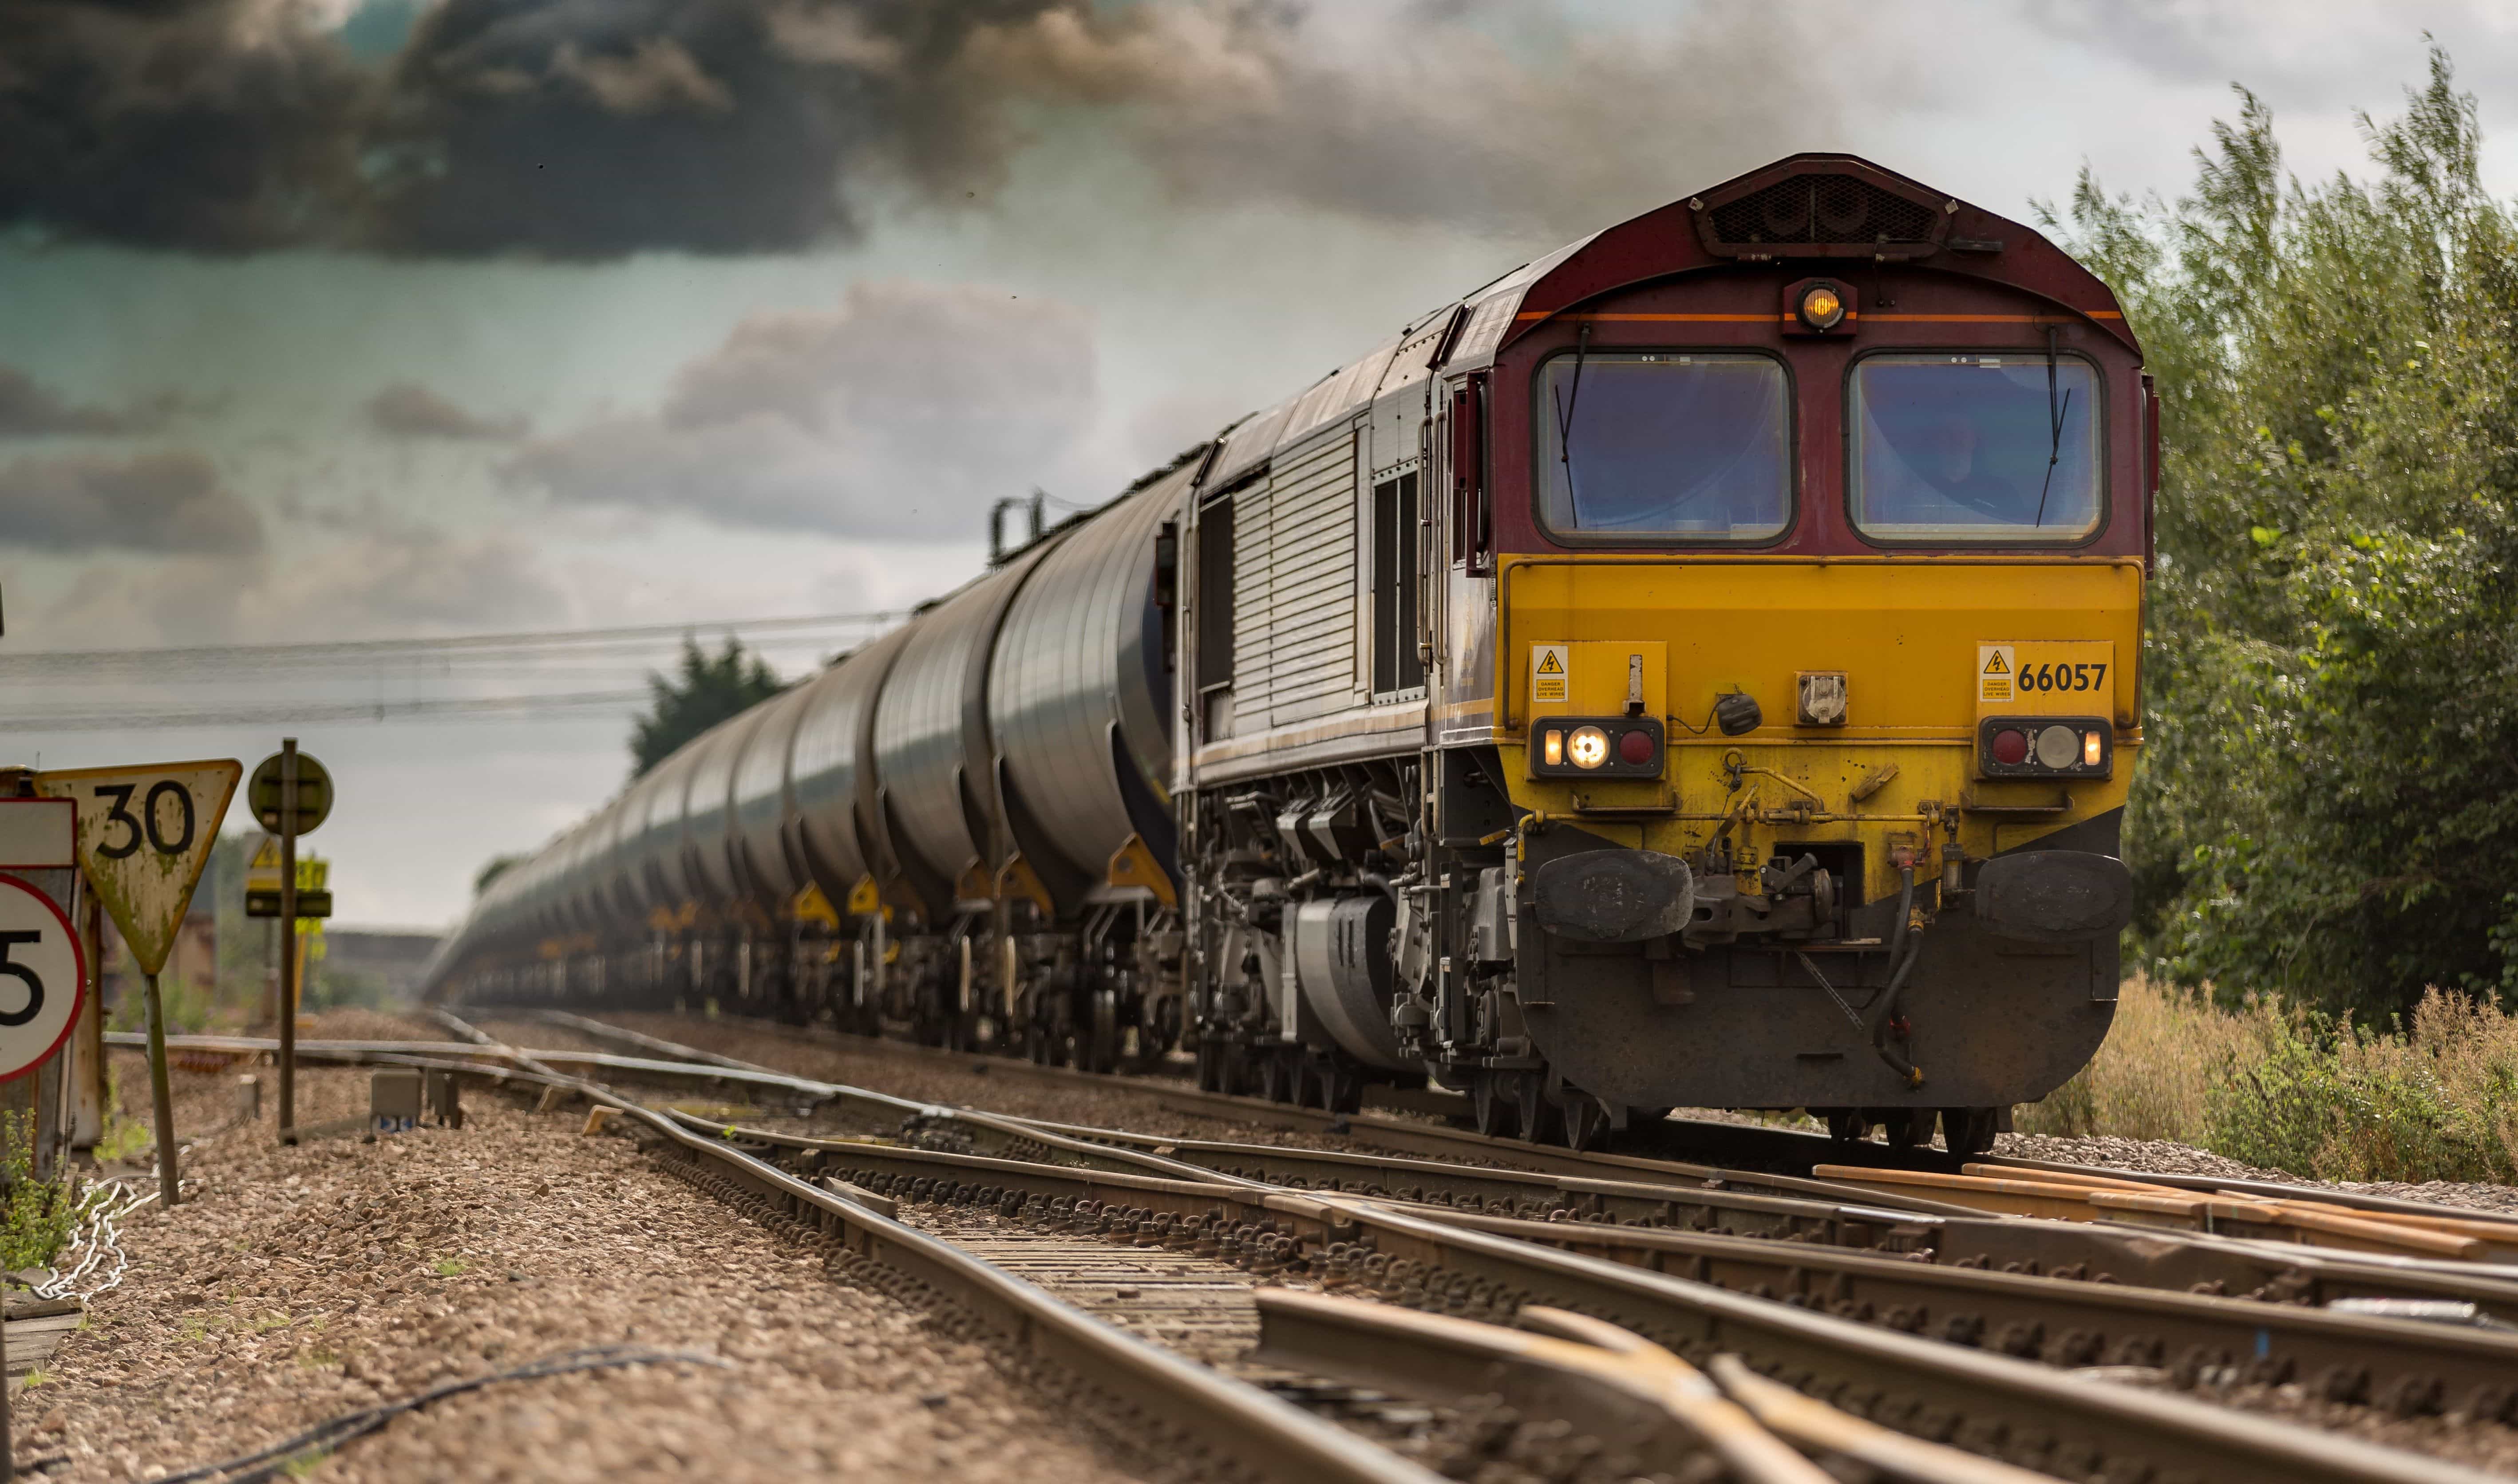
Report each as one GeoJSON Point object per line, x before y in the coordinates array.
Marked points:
{"type": "Point", "coordinates": [288, 939]}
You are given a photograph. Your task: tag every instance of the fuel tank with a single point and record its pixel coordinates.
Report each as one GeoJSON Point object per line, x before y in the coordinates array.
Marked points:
{"type": "Point", "coordinates": [653, 853]}
{"type": "Point", "coordinates": [1077, 696]}
{"type": "Point", "coordinates": [758, 840]}
{"type": "Point", "coordinates": [830, 786]}
{"type": "Point", "coordinates": [930, 734]}
{"type": "Point", "coordinates": [708, 807]}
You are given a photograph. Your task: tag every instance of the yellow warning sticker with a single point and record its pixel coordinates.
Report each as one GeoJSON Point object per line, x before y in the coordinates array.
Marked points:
{"type": "Point", "coordinates": [1547, 679]}
{"type": "Point", "coordinates": [1994, 668]}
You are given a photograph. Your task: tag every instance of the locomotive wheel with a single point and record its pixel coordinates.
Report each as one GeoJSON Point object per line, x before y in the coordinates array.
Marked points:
{"type": "Point", "coordinates": [1910, 1129]}
{"type": "Point", "coordinates": [1489, 1107]}
{"type": "Point", "coordinates": [1968, 1130]}
{"type": "Point", "coordinates": [1542, 1121]}
{"type": "Point", "coordinates": [1585, 1121]}
{"type": "Point", "coordinates": [1848, 1126]}
{"type": "Point", "coordinates": [1210, 1067]}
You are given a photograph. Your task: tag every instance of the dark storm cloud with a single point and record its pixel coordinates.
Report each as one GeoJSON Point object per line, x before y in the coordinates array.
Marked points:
{"type": "Point", "coordinates": [591, 128]}
{"type": "Point", "coordinates": [572, 128]}
{"type": "Point", "coordinates": [408, 409]}
{"type": "Point", "coordinates": [162, 502]}
{"type": "Point", "coordinates": [898, 415]}
{"type": "Point", "coordinates": [30, 409]}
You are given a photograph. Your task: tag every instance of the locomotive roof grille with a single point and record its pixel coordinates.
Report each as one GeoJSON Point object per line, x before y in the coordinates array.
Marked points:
{"type": "Point", "coordinates": [1822, 214]}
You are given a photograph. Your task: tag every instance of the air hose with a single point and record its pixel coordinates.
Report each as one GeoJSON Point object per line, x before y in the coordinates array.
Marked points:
{"type": "Point", "coordinates": [1902, 941]}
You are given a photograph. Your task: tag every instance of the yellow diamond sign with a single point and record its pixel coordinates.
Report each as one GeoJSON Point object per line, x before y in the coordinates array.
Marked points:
{"type": "Point", "coordinates": [145, 832]}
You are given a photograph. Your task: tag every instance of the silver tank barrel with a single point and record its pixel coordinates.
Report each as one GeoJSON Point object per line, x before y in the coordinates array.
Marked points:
{"type": "Point", "coordinates": [708, 865]}
{"type": "Point", "coordinates": [1077, 695]}
{"type": "Point", "coordinates": [761, 861]}
{"type": "Point", "coordinates": [830, 776]}
{"type": "Point", "coordinates": [655, 866]}
{"type": "Point", "coordinates": [931, 735]}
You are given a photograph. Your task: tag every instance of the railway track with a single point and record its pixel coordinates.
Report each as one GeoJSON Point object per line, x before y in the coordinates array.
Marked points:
{"type": "Point", "coordinates": [1674, 1144]}
{"type": "Point", "coordinates": [1464, 1240]}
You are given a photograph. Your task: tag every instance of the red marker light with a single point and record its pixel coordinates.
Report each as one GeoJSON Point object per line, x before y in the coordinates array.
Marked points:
{"type": "Point", "coordinates": [2009, 747]}
{"type": "Point", "coordinates": [1636, 748]}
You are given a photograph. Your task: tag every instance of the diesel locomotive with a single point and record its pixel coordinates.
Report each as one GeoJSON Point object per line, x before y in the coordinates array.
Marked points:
{"type": "Point", "coordinates": [1699, 667]}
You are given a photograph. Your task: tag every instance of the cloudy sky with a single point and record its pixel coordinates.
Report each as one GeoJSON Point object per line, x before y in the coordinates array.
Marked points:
{"type": "Point", "coordinates": [335, 321]}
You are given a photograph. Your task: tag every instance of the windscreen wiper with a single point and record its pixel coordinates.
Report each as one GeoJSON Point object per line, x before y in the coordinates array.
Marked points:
{"type": "Point", "coordinates": [2055, 415]}
{"type": "Point", "coordinates": [1566, 398]}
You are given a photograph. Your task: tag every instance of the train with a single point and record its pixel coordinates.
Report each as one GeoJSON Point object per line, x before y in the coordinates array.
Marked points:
{"type": "Point", "coordinates": [1699, 667]}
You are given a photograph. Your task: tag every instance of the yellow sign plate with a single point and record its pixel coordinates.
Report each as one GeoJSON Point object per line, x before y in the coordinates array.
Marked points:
{"type": "Point", "coordinates": [2046, 675]}
{"type": "Point", "coordinates": [1550, 683]}
{"type": "Point", "coordinates": [144, 834]}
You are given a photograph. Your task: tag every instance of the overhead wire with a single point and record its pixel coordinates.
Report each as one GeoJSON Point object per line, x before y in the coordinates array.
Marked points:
{"type": "Point", "coordinates": [305, 682]}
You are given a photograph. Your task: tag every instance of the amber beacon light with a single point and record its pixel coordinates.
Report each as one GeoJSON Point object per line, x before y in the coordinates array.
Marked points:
{"type": "Point", "coordinates": [1822, 307]}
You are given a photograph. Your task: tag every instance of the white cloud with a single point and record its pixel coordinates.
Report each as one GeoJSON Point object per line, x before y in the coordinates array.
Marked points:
{"type": "Point", "coordinates": [898, 415]}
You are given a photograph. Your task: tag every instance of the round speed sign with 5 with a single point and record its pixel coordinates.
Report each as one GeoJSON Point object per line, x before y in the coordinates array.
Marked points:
{"type": "Point", "coordinates": [43, 976]}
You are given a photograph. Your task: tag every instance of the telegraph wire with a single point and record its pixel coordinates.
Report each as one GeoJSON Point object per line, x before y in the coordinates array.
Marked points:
{"type": "Point", "coordinates": [572, 706]}
{"type": "Point", "coordinates": [324, 653]}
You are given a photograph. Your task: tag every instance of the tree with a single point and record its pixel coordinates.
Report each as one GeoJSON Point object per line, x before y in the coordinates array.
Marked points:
{"type": "Point", "coordinates": [2328, 805]}
{"type": "Point", "coordinates": [494, 868]}
{"type": "Point", "coordinates": [708, 690]}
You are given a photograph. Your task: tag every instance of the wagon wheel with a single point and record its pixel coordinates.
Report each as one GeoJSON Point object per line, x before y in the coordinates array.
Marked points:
{"type": "Point", "coordinates": [1489, 1109]}
{"type": "Point", "coordinates": [1276, 1076]}
{"type": "Point", "coordinates": [1848, 1126]}
{"type": "Point", "coordinates": [1585, 1119]}
{"type": "Point", "coordinates": [1344, 1086]}
{"type": "Point", "coordinates": [1102, 1044]}
{"type": "Point", "coordinates": [1210, 1067]}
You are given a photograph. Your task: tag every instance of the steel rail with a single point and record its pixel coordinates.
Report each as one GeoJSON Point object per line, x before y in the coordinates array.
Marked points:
{"type": "Point", "coordinates": [1781, 1145]}
{"type": "Point", "coordinates": [1260, 1433]}
{"type": "Point", "coordinates": [2406, 1365]}
{"type": "Point", "coordinates": [1987, 1403]}
{"type": "Point", "coordinates": [1838, 1212]}
{"type": "Point", "coordinates": [1435, 1257]}
{"type": "Point", "coordinates": [1638, 1401]}
{"type": "Point", "coordinates": [2144, 1257]}
{"type": "Point", "coordinates": [1820, 1429]}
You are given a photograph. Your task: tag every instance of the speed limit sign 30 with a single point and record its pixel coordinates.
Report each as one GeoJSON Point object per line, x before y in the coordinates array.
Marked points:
{"type": "Point", "coordinates": [43, 977]}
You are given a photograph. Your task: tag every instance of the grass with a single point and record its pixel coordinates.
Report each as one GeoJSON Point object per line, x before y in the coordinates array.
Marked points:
{"type": "Point", "coordinates": [36, 1216]}
{"type": "Point", "coordinates": [2311, 1095]}
{"type": "Point", "coordinates": [449, 1267]}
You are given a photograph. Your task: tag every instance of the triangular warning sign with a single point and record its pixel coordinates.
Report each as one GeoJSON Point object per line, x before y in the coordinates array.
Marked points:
{"type": "Point", "coordinates": [143, 834]}
{"type": "Point", "coordinates": [1993, 665]}
{"type": "Point", "coordinates": [1548, 664]}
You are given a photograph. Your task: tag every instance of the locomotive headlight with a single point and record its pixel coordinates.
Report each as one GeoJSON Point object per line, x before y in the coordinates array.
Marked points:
{"type": "Point", "coordinates": [1589, 746]}
{"type": "Point", "coordinates": [1552, 747]}
{"type": "Point", "coordinates": [2093, 749]}
{"type": "Point", "coordinates": [1822, 307]}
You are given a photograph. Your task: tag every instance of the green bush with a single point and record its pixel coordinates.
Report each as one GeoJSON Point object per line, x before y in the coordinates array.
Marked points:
{"type": "Point", "coordinates": [2327, 805]}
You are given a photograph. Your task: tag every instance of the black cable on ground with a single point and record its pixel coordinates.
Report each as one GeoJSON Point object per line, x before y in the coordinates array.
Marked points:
{"type": "Point", "coordinates": [323, 1437]}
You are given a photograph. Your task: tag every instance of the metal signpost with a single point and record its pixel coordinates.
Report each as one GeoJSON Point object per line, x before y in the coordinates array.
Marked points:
{"type": "Point", "coordinates": [291, 795]}
{"type": "Point", "coordinates": [43, 967]}
{"type": "Point", "coordinates": [145, 833]}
